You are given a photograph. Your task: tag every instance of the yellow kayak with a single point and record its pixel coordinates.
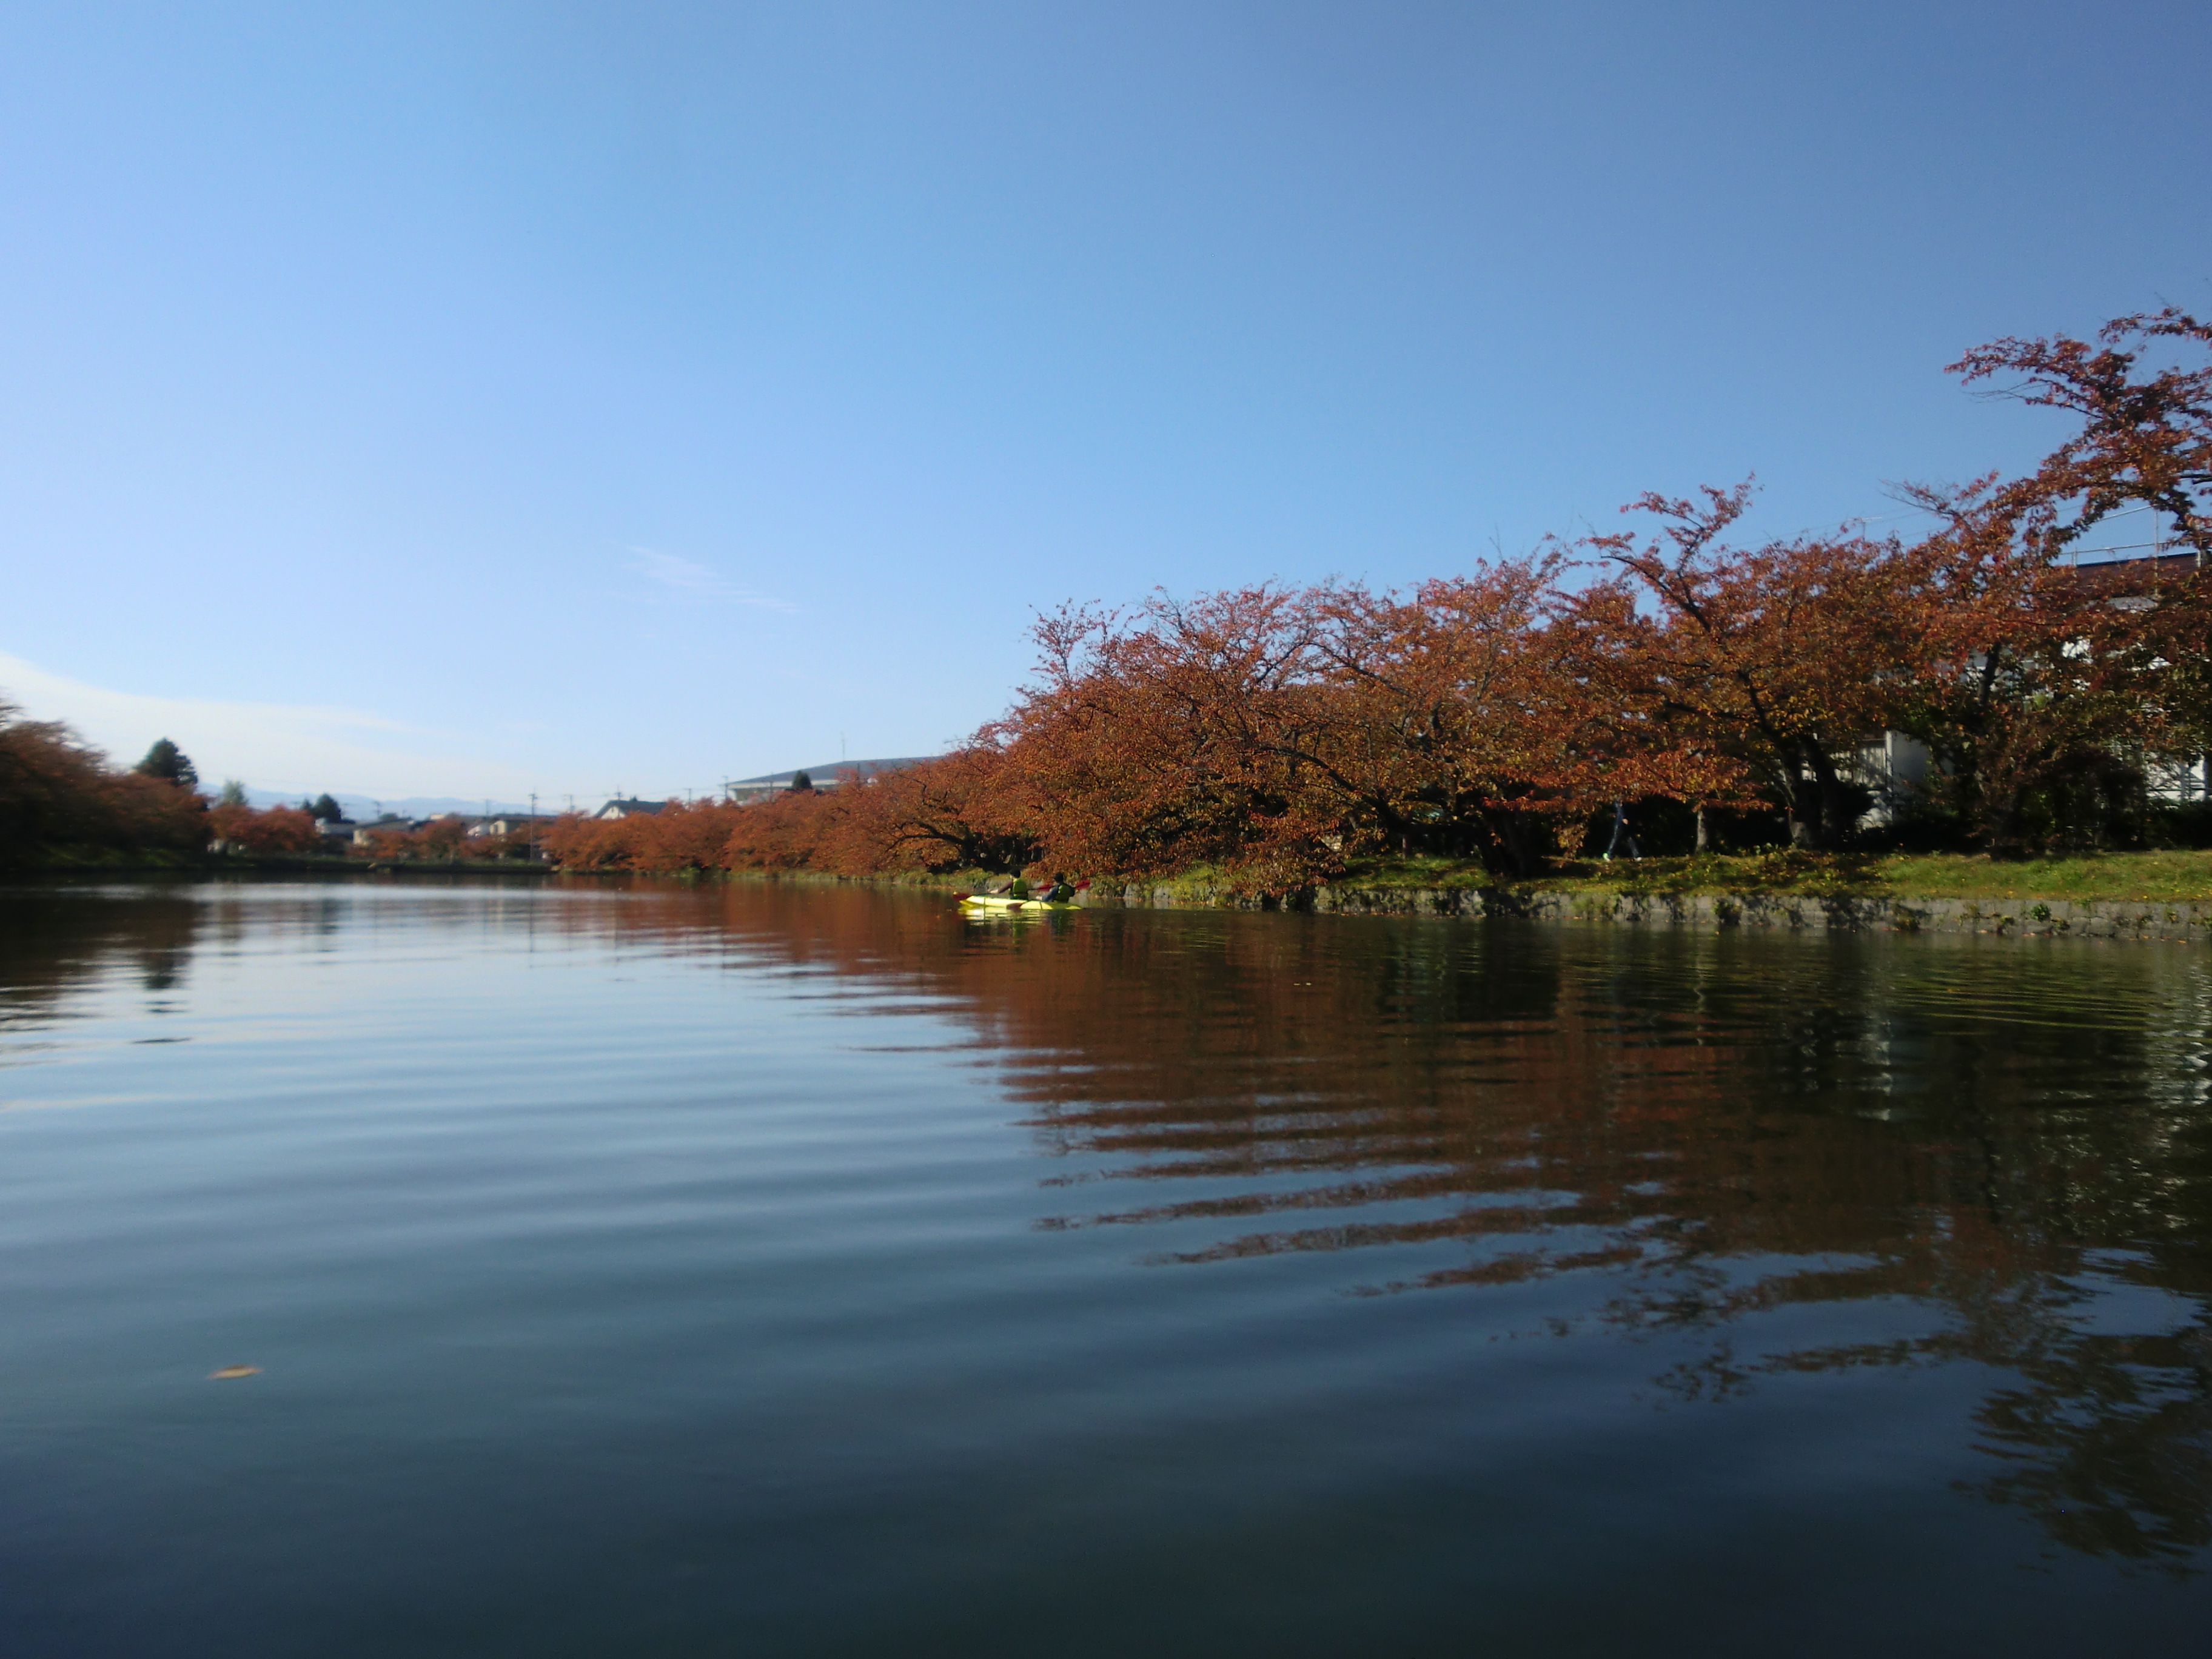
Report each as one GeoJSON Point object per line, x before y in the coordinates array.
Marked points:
{"type": "Point", "coordinates": [996, 902]}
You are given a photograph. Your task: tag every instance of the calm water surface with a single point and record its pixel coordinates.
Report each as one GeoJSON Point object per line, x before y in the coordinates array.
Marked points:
{"type": "Point", "coordinates": [775, 1271]}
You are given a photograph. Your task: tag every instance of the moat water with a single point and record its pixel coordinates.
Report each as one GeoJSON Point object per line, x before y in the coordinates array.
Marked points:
{"type": "Point", "coordinates": [773, 1270]}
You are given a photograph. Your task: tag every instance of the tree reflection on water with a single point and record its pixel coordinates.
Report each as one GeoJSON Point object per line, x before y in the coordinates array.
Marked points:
{"type": "Point", "coordinates": [53, 942]}
{"type": "Point", "coordinates": [2009, 1137]}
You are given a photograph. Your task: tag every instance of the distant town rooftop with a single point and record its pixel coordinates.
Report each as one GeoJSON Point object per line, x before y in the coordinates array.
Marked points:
{"type": "Point", "coordinates": [625, 807]}
{"type": "Point", "coordinates": [839, 771]}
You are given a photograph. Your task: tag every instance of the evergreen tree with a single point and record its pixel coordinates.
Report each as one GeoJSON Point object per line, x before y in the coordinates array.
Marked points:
{"type": "Point", "coordinates": [233, 793]}
{"type": "Point", "coordinates": [325, 809]}
{"type": "Point", "coordinates": [801, 784]}
{"type": "Point", "coordinates": [169, 763]}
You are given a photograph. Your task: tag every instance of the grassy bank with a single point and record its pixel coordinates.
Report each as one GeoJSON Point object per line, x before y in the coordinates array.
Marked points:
{"type": "Point", "coordinates": [2164, 877]}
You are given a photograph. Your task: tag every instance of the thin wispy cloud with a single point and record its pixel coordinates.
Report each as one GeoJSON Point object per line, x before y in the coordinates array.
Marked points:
{"type": "Point", "coordinates": [291, 747]}
{"type": "Point", "coordinates": [696, 581]}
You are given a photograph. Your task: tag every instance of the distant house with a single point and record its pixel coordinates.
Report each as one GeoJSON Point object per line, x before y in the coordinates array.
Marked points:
{"type": "Point", "coordinates": [389, 823]}
{"type": "Point", "coordinates": [1895, 769]}
{"type": "Point", "coordinates": [621, 808]}
{"type": "Point", "coordinates": [520, 823]}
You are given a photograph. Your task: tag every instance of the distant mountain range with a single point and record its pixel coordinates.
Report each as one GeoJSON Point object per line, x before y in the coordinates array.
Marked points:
{"type": "Point", "coordinates": [363, 807]}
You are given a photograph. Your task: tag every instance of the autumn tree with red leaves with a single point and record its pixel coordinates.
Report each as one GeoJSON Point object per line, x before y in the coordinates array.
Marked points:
{"type": "Point", "coordinates": [1275, 732]}
{"type": "Point", "coordinates": [275, 830]}
{"type": "Point", "coordinates": [56, 790]}
{"type": "Point", "coordinates": [2050, 694]}
{"type": "Point", "coordinates": [1451, 720]}
{"type": "Point", "coordinates": [2145, 437]}
{"type": "Point", "coordinates": [958, 811]}
{"type": "Point", "coordinates": [1152, 742]}
{"type": "Point", "coordinates": [1757, 671]}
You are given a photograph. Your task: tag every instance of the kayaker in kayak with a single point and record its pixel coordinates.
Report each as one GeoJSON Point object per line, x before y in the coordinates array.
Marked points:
{"type": "Point", "coordinates": [1018, 892]}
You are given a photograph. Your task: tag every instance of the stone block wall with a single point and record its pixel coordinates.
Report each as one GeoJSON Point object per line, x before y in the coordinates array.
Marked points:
{"type": "Point", "coordinates": [2016, 918]}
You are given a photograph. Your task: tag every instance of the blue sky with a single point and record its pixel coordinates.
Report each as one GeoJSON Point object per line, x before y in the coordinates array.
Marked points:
{"type": "Point", "coordinates": [471, 399]}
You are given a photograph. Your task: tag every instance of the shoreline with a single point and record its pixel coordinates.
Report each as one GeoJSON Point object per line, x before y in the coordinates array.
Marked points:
{"type": "Point", "coordinates": [1585, 903]}
{"type": "Point", "coordinates": [2180, 922]}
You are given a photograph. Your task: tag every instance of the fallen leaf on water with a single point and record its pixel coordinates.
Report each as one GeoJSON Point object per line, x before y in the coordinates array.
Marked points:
{"type": "Point", "coordinates": [229, 1371]}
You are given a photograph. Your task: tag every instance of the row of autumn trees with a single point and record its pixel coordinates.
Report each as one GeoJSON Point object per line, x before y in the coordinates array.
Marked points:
{"type": "Point", "coordinates": [55, 790]}
{"type": "Point", "coordinates": [1275, 733]}
{"type": "Point", "coordinates": [58, 794]}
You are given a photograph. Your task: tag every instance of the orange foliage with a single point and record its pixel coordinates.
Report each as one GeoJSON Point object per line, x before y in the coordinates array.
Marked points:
{"type": "Point", "coordinates": [578, 843]}
{"type": "Point", "coordinates": [1271, 732]}
{"type": "Point", "coordinates": [1275, 732]}
{"type": "Point", "coordinates": [2145, 437]}
{"type": "Point", "coordinates": [1756, 671]}
{"type": "Point", "coordinates": [443, 840]}
{"type": "Point", "coordinates": [2050, 691]}
{"type": "Point", "coordinates": [56, 791]}
{"type": "Point", "coordinates": [939, 815]}
{"type": "Point", "coordinates": [275, 830]}
{"type": "Point", "coordinates": [959, 812]}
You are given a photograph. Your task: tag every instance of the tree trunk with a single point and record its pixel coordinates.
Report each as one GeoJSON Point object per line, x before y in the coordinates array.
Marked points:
{"type": "Point", "coordinates": [1801, 812]}
{"type": "Point", "coordinates": [1834, 808]}
{"type": "Point", "coordinates": [2000, 816]}
{"type": "Point", "coordinates": [1804, 828]}
{"type": "Point", "coordinates": [1705, 830]}
{"type": "Point", "coordinates": [1509, 849]}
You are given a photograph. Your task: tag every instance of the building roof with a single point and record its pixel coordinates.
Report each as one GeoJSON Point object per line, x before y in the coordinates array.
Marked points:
{"type": "Point", "coordinates": [624, 807]}
{"type": "Point", "coordinates": [2119, 578]}
{"type": "Point", "coordinates": [841, 771]}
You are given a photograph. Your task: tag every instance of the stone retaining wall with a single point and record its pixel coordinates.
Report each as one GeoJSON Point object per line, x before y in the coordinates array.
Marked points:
{"type": "Point", "coordinates": [2019, 918]}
